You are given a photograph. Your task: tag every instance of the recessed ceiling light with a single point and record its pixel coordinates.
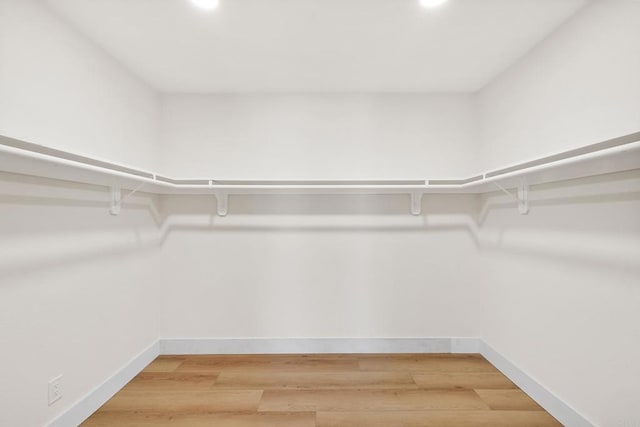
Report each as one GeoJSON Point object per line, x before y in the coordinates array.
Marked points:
{"type": "Point", "coordinates": [431, 3]}
{"type": "Point", "coordinates": [206, 4]}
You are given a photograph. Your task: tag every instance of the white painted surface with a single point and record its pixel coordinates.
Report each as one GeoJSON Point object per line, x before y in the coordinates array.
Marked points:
{"type": "Point", "coordinates": [561, 292]}
{"type": "Point", "coordinates": [547, 286]}
{"type": "Point", "coordinates": [74, 281]}
{"type": "Point", "coordinates": [561, 284]}
{"type": "Point", "coordinates": [578, 87]}
{"type": "Point", "coordinates": [321, 266]}
{"type": "Point", "coordinates": [567, 415]}
{"type": "Point", "coordinates": [76, 292]}
{"type": "Point", "coordinates": [60, 90]}
{"type": "Point", "coordinates": [317, 46]}
{"type": "Point", "coordinates": [179, 346]}
{"type": "Point", "coordinates": [318, 136]}
{"type": "Point", "coordinates": [465, 345]}
{"type": "Point", "coordinates": [88, 404]}
{"type": "Point", "coordinates": [185, 346]}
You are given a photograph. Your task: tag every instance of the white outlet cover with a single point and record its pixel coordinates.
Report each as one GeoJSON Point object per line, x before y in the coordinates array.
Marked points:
{"type": "Point", "coordinates": [55, 389]}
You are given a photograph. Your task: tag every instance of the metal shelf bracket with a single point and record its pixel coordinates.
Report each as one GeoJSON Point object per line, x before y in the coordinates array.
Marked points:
{"type": "Point", "coordinates": [522, 197]}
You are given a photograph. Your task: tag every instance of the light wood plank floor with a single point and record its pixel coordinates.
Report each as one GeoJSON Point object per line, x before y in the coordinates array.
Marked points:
{"type": "Point", "coordinates": [409, 390]}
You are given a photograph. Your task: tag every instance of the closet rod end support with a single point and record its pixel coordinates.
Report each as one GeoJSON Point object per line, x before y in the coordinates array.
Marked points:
{"type": "Point", "coordinates": [116, 201]}
{"type": "Point", "coordinates": [416, 203]}
{"type": "Point", "coordinates": [523, 197]}
{"type": "Point", "coordinates": [223, 203]}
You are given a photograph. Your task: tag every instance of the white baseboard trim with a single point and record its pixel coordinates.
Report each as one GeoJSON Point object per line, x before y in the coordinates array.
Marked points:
{"type": "Point", "coordinates": [86, 406]}
{"type": "Point", "coordinates": [83, 408]}
{"type": "Point", "coordinates": [465, 345]}
{"type": "Point", "coordinates": [545, 398]}
{"type": "Point", "coordinates": [177, 346]}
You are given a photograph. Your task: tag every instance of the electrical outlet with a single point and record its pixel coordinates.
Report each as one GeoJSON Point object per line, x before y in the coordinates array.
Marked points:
{"type": "Point", "coordinates": [55, 389]}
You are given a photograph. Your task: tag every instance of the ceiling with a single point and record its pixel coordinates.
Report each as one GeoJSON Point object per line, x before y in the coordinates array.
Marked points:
{"type": "Point", "coordinates": [317, 45]}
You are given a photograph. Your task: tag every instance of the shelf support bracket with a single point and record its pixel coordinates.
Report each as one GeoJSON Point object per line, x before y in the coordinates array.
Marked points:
{"type": "Point", "coordinates": [116, 201]}
{"type": "Point", "coordinates": [416, 203]}
{"type": "Point", "coordinates": [223, 203]}
{"type": "Point", "coordinates": [522, 197]}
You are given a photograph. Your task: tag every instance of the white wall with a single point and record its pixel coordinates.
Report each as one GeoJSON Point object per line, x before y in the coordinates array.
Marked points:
{"type": "Point", "coordinates": [579, 86]}
{"type": "Point", "coordinates": [76, 294]}
{"type": "Point", "coordinates": [319, 267]}
{"type": "Point", "coordinates": [76, 291]}
{"type": "Point", "coordinates": [78, 287]}
{"type": "Point", "coordinates": [561, 291]}
{"type": "Point", "coordinates": [318, 136]}
{"type": "Point", "coordinates": [58, 89]}
{"type": "Point", "coordinates": [560, 285]}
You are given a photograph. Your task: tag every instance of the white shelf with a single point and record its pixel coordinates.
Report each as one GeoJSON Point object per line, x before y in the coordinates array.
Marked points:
{"type": "Point", "coordinates": [615, 155]}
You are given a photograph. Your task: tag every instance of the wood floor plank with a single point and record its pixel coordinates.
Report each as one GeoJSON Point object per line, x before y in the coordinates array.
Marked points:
{"type": "Point", "coordinates": [224, 419]}
{"type": "Point", "coordinates": [307, 364]}
{"type": "Point", "coordinates": [368, 400]}
{"type": "Point", "coordinates": [466, 380]}
{"type": "Point", "coordinates": [164, 364]}
{"type": "Point", "coordinates": [436, 419]}
{"type": "Point", "coordinates": [172, 381]}
{"type": "Point", "coordinates": [514, 399]}
{"type": "Point", "coordinates": [184, 403]}
{"type": "Point", "coordinates": [315, 380]}
{"type": "Point", "coordinates": [390, 390]}
{"type": "Point", "coordinates": [419, 356]}
{"type": "Point", "coordinates": [425, 364]}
